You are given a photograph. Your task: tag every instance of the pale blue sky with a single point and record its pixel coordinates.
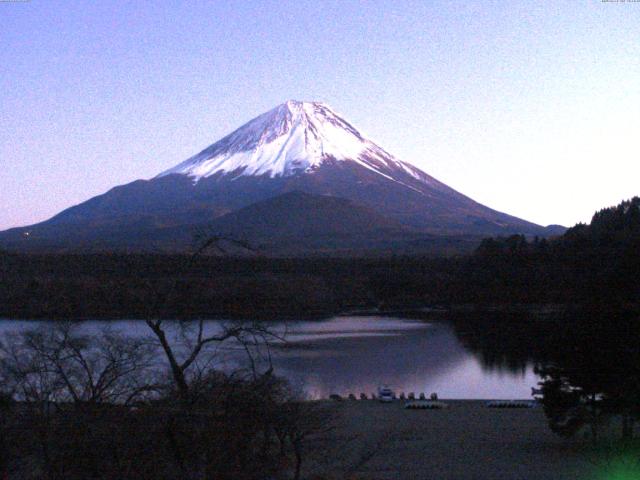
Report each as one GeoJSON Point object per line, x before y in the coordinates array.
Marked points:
{"type": "Point", "coordinates": [530, 107]}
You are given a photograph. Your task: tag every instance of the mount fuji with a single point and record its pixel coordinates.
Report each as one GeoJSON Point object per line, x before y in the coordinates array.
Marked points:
{"type": "Point", "coordinates": [297, 179]}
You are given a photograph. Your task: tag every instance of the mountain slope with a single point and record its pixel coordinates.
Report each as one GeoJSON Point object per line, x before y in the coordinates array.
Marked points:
{"type": "Point", "coordinates": [301, 215]}
{"type": "Point", "coordinates": [297, 222]}
{"type": "Point", "coordinates": [296, 147]}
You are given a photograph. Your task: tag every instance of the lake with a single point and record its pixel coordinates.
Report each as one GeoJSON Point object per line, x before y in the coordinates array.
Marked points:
{"type": "Point", "coordinates": [354, 354]}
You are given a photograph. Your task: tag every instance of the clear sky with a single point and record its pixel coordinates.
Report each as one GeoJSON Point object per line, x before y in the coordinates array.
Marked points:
{"type": "Point", "coordinates": [530, 107]}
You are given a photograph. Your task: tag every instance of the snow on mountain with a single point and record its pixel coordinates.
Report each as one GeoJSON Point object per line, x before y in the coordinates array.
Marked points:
{"type": "Point", "coordinates": [293, 138]}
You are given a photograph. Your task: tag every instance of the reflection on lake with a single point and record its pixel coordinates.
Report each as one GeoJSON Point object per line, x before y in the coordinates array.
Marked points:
{"type": "Point", "coordinates": [357, 354]}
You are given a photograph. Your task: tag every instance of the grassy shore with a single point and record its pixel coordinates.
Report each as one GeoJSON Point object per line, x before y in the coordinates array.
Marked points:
{"type": "Point", "coordinates": [372, 440]}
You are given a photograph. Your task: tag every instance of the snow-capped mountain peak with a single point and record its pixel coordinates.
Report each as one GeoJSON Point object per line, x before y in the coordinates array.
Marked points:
{"type": "Point", "coordinates": [293, 138]}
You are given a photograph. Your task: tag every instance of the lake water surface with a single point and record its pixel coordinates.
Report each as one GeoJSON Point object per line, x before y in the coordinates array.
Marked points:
{"type": "Point", "coordinates": [357, 354]}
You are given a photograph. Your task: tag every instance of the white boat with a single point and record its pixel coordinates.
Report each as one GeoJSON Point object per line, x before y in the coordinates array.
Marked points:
{"type": "Point", "coordinates": [385, 394]}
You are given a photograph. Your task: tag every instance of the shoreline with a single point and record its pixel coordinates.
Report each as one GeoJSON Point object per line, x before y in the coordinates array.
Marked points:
{"type": "Point", "coordinates": [537, 309]}
{"type": "Point", "coordinates": [466, 441]}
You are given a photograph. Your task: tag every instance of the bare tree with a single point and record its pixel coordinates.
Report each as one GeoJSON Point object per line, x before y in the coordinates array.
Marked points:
{"type": "Point", "coordinates": [184, 347]}
{"type": "Point", "coordinates": [70, 385]}
{"type": "Point", "coordinates": [61, 364]}
{"type": "Point", "coordinates": [189, 340]}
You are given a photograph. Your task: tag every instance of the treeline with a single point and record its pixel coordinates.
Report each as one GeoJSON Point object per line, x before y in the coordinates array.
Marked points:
{"type": "Point", "coordinates": [588, 264]}
{"type": "Point", "coordinates": [126, 286]}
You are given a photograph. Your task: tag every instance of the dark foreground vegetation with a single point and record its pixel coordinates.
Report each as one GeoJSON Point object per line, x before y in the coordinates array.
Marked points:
{"type": "Point", "coordinates": [78, 406]}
